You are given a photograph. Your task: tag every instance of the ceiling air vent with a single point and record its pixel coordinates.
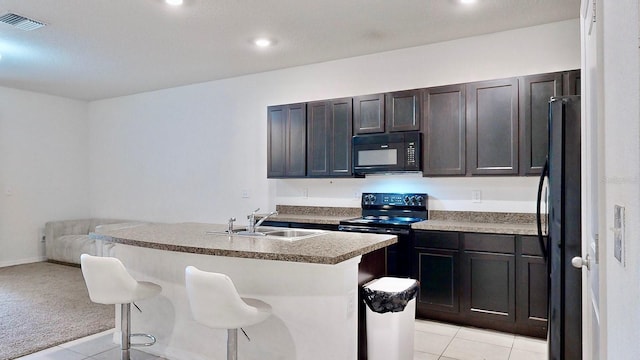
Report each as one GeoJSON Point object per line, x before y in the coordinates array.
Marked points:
{"type": "Point", "coordinates": [21, 22]}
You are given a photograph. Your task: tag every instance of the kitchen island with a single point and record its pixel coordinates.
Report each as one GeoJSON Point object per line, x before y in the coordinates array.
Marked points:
{"type": "Point", "coordinates": [311, 284]}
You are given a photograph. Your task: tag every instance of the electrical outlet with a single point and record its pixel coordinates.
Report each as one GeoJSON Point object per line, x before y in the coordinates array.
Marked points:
{"type": "Point", "coordinates": [245, 194]}
{"type": "Point", "coordinates": [305, 193]}
{"type": "Point", "coordinates": [8, 191]}
{"type": "Point", "coordinates": [476, 196]}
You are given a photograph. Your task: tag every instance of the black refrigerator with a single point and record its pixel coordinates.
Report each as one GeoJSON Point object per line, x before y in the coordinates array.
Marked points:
{"type": "Point", "coordinates": [562, 172]}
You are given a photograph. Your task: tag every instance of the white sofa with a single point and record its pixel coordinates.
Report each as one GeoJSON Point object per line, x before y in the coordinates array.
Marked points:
{"type": "Point", "coordinates": [66, 240]}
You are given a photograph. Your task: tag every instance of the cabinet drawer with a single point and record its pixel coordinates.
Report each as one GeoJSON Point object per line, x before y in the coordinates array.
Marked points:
{"type": "Point", "coordinates": [490, 243]}
{"type": "Point", "coordinates": [531, 245]}
{"type": "Point", "coordinates": [437, 240]}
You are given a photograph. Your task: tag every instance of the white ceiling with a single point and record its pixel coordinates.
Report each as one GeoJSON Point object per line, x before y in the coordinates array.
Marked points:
{"type": "Point", "coordinates": [96, 49]}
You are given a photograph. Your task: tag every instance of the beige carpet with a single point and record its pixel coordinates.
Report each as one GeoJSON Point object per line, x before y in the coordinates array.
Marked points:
{"type": "Point", "coordinates": [43, 305]}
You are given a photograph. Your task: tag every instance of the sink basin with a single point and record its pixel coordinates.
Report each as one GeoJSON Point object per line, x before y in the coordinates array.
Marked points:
{"type": "Point", "coordinates": [291, 234]}
{"type": "Point", "coordinates": [273, 233]}
{"type": "Point", "coordinates": [260, 231]}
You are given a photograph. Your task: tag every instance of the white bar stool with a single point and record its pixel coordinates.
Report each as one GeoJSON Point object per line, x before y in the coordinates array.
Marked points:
{"type": "Point", "coordinates": [215, 303]}
{"type": "Point", "coordinates": [109, 283]}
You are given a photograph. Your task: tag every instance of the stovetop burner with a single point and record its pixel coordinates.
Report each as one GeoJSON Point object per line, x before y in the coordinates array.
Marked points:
{"type": "Point", "coordinates": [390, 210]}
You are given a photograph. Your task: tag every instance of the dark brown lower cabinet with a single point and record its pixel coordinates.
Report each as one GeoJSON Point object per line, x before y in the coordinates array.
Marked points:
{"type": "Point", "coordinates": [437, 263]}
{"type": "Point", "coordinates": [531, 300]}
{"type": "Point", "coordinates": [492, 281]}
{"type": "Point", "coordinates": [488, 277]}
{"type": "Point", "coordinates": [488, 282]}
{"type": "Point", "coordinates": [372, 266]}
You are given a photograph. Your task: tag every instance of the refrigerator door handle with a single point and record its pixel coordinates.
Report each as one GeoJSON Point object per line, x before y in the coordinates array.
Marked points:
{"type": "Point", "coordinates": [545, 172]}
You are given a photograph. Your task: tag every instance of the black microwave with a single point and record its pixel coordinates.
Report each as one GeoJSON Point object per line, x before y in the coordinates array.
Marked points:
{"type": "Point", "coordinates": [387, 153]}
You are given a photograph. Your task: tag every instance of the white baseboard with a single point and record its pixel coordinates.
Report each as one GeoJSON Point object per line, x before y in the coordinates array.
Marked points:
{"type": "Point", "coordinates": [22, 261]}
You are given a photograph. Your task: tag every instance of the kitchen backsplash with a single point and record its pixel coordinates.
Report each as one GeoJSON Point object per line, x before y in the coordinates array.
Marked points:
{"type": "Point", "coordinates": [347, 212]}
{"type": "Point", "coordinates": [516, 194]}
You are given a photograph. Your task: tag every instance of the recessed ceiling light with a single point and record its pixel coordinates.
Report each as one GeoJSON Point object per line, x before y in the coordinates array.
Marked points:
{"type": "Point", "coordinates": [174, 2]}
{"type": "Point", "coordinates": [263, 42]}
{"type": "Point", "coordinates": [467, 2]}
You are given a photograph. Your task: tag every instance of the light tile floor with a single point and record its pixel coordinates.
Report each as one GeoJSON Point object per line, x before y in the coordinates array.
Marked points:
{"type": "Point", "coordinates": [432, 341]}
{"type": "Point", "coordinates": [440, 341]}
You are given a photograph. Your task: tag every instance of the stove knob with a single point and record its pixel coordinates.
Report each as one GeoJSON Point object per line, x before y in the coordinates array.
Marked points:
{"type": "Point", "coordinates": [420, 199]}
{"type": "Point", "coordinates": [406, 200]}
{"type": "Point", "coordinates": [372, 199]}
{"type": "Point", "coordinates": [413, 200]}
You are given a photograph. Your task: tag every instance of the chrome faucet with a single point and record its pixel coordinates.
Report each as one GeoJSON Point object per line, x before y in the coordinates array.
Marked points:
{"type": "Point", "coordinates": [230, 225]}
{"type": "Point", "coordinates": [251, 228]}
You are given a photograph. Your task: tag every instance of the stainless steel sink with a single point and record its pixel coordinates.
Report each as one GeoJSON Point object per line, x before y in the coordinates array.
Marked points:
{"type": "Point", "coordinates": [273, 232]}
{"type": "Point", "coordinates": [291, 234]}
{"type": "Point", "coordinates": [260, 231]}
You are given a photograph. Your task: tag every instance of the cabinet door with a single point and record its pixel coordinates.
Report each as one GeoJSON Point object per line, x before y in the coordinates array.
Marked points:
{"type": "Point", "coordinates": [368, 112]}
{"type": "Point", "coordinates": [531, 297]}
{"type": "Point", "coordinates": [286, 141]}
{"type": "Point", "coordinates": [535, 92]}
{"type": "Point", "coordinates": [276, 137]}
{"type": "Point", "coordinates": [329, 129]}
{"type": "Point", "coordinates": [444, 130]}
{"type": "Point", "coordinates": [492, 127]}
{"type": "Point", "coordinates": [402, 110]}
{"type": "Point", "coordinates": [438, 277]}
{"type": "Point", "coordinates": [436, 267]}
{"type": "Point", "coordinates": [318, 138]}
{"type": "Point", "coordinates": [571, 84]}
{"type": "Point", "coordinates": [488, 278]}
{"type": "Point", "coordinates": [341, 117]}
{"type": "Point", "coordinates": [296, 140]}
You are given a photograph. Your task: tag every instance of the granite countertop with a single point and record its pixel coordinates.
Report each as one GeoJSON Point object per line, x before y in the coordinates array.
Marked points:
{"type": "Point", "coordinates": [463, 221]}
{"type": "Point", "coordinates": [480, 222]}
{"type": "Point", "coordinates": [309, 219]}
{"type": "Point", "coordinates": [324, 215]}
{"type": "Point", "coordinates": [477, 227]}
{"type": "Point", "coordinates": [331, 247]}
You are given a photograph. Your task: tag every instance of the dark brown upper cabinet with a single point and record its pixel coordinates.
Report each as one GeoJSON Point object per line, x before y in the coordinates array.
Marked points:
{"type": "Point", "coordinates": [402, 110]}
{"type": "Point", "coordinates": [492, 127]}
{"type": "Point", "coordinates": [571, 83]}
{"type": "Point", "coordinates": [535, 93]}
{"type": "Point", "coordinates": [444, 122]}
{"type": "Point", "coordinates": [368, 114]}
{"type": "Point", "coordinates": [329, 131]}
{"type": "Point", "coordinates": [286, 141]}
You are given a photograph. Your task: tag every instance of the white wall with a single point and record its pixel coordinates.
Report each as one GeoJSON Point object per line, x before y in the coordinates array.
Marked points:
{"type": "Point", "coordinates": [622, 173]}
{"type": "Point", "coordinates": [43, 169]}
{"type": "Point", "coordinates": [189, 153]}
{"type": "Point", "coordinates": [510, 194]}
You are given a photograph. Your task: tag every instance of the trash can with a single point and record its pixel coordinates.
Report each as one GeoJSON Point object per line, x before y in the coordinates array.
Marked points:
{"type": "Point", "coordinates": [390, 318]}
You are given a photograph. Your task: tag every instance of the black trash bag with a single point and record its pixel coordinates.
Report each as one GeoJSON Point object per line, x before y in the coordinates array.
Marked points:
{"type": "Point", "coordinates": [381, 301]}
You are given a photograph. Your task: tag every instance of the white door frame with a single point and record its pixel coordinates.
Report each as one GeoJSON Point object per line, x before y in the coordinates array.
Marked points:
{"type": "Point", "coordinates": [593, 195]}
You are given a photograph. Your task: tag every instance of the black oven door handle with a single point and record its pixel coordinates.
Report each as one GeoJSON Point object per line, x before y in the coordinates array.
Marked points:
{"type": "Point", "coordinates": [374, 230]}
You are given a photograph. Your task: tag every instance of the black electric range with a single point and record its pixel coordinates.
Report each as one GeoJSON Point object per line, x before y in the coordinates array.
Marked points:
{"type": "Point", "coordinates": [391, 213]}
